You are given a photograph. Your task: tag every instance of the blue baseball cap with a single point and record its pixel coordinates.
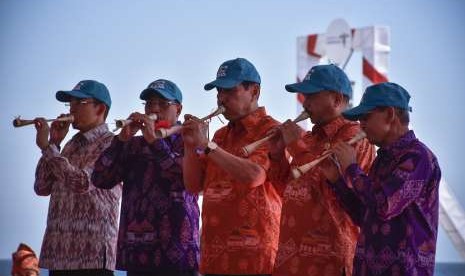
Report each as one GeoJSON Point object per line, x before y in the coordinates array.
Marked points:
{"type": "Point", "coordinates": [232, 73]}
{"type": "Point", "coordinates": [381, 94]}
{"type": "Point", "coordinates": [165, 88]}
{"type": "Point", "coordinates": [323, 78]}
{"type": "Point", "coordinates": [86, 89]}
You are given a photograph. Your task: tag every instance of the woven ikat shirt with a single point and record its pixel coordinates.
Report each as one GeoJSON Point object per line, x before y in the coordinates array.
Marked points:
{"type": "Point", "coordinates": [82, 221]}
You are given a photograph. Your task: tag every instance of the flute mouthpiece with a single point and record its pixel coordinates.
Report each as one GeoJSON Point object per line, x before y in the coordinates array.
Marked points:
{"type": "Point", "coordinates": [303, 116]}
{"type": "Point", "coordinates": [221, 109]}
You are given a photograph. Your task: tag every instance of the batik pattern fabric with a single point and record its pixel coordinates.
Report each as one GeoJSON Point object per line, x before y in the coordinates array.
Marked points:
{"type": "Point", "coordinates": [396, 207]}
{"type": "Point", "coordinates": [317, 236]}
{"type": "Point", "coordinates": [82, 221]}
{"type": "Point", "coordinates": [240, 225]}
{"type": "Point", "coordinates": [159, 223]}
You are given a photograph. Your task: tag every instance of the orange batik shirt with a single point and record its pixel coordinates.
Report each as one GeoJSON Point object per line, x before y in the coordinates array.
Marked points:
{"type": "Point", "coordinates": [317, 237]}
{"type": "Point", "coordinates": [240, 225]}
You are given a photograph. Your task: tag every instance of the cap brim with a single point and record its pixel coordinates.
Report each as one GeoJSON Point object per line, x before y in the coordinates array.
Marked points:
{"type": "Point", "coordinates": [221, 83]}
{"type": "Point", "coordinates": [146, 93]}
{"type": "Point", "coordinates": [355, 113]}
{"type": "Point", "coordinates": [65, 96]}
{"type": "Point", "coordinates": [303, 87]}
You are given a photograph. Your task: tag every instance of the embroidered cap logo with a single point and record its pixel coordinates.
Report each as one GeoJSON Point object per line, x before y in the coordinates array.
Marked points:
{"type": "Point", "coordinates": [222, 71]}
{"type": "Point", "coordinates": [158, 85]}
{"type": "Point", "coordinates": [307, 77]}
{"type": "Point", "coordinates": [78, 86]}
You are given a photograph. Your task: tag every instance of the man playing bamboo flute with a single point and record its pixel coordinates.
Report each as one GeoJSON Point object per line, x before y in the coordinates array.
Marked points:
{"type": "Point", "coordinates": [159, 222]}
{"type": "Point", "coordinates": [396, 204]}
{"type": "Point", "coordinates": [241, 207]}
{"type": "Point", "coordinates": [317, 237]}
{"type": "Point", "coordinates": [82, 221]}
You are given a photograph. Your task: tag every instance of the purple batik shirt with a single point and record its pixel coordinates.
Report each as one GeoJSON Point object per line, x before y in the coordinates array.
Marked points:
{"type": "Point", "coordinates": [159, 219]}
{"type": "Point", "coordinates": [396, 207]}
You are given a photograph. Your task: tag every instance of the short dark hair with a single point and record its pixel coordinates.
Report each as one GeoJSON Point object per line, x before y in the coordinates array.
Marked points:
{"type": "Point", "coordinates": [404, 116]}
{"type": "Point", "coordinates": [346, 98]}
{"type": "Point", "coordinates": [247, 84]}
{"type": "Point", "coordinates": [107, 109]}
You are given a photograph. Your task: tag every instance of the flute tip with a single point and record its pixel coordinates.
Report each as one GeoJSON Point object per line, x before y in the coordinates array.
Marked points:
{"type": "Point", "coordinates": [245, 152]}
{"type": "Point", "coordinates": [296, 173]}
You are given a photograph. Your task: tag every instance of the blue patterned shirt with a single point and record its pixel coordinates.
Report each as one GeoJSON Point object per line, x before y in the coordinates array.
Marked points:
{"type": "Point", "coordinates": [159, 219]}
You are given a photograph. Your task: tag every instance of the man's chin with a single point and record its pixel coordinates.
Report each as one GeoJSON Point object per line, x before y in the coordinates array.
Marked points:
{"type": "Point", "coordinates": [314, 121]}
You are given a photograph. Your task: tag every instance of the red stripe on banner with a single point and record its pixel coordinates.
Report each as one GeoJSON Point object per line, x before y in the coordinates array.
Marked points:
{"type": "Point", "coordinates": [372, 74]}
{"type": "Point", "coordinates": [311, 43]}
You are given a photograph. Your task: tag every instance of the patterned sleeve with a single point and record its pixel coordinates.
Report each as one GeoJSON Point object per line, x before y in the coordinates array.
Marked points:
{"type": "Point", "coordinates": [365, 156]}
{"type": "Point", "coordinates": [109, 167]}
{"type": "Point", "coordinates": [260, 157]}
{"type": "Point", "coordinates": [169, 153]}
{"type": "Point", "coordinates": [348, 200]}
{"type": "Point", "coordinates": [276, 171]}
{"type": "Point", "coordinates": [46, 175]}
{"type": "Point", "coordinates": [279, 173]}
{"type": "Point", "coordinates": [300, 148]}
{"type": "Point", "coordinates": [78, 179]}
{"type": "Point", "coordinates": [391, 196]}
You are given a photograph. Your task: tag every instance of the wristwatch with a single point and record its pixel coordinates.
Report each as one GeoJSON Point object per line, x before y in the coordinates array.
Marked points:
{"type": "Point", "coordinates": [211, 146]}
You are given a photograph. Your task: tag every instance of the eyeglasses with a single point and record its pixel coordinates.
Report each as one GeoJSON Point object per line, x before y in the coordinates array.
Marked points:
{"type": "Point", "coordinates": [163, 104]}
{"type": "Point", "coordinates": [78, 102]}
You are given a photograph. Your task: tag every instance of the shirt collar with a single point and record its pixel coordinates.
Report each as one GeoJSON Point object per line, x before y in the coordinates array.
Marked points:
{"type": "Point", "coordinates": [250, 121]}
{"type": "Point", "coordinates": [330, 129]}
{"type": "Point", "coordinates": [399, 144]}
{"type": "Point", "coordinates": [93, 134]}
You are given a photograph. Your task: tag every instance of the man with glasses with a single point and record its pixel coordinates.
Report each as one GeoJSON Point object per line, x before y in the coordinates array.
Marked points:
{"type": "Point", "coordinates": [396, 203]}
{"type": "Point", "coordinates": [82, 221]}
{"type": "Point", "coordinates": [241, 207]}
{"type": "Point", "coordinates": [159, 220]}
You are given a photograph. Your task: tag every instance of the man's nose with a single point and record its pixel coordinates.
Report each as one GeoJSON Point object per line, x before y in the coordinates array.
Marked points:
{"type": "Point", "coordinates": [152, 108]}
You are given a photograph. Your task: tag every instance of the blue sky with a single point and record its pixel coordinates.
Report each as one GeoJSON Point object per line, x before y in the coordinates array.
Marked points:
{"type": "Point", "coordinates": [46, 46]}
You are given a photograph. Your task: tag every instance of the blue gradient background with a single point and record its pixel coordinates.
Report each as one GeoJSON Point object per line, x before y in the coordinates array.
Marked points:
{"type": "Point", "coordinates": [50, 45]}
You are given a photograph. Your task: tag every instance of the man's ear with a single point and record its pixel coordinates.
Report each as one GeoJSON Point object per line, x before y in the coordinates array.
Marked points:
{"type": "Point", "coordinates": [102, 108]}
{"type": "Point", "coordinates": [255, 91]}
{"type": "Point", "coordinates": [390, 114]}
{"type": "Point", "coordinates": [338, 99]}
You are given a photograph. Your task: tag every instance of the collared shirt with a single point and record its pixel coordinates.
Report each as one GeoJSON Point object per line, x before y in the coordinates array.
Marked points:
{"type": "Point", "coordinates": [317, 237]}
{"type": "Point", "coordinates": [159, 219]}
{"type": "Point", "coordinates": [396, 206]}
{"type": "Point", "coordinates": [82, 220]}
{"type": "Point", "coordinates": [240, 225]}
